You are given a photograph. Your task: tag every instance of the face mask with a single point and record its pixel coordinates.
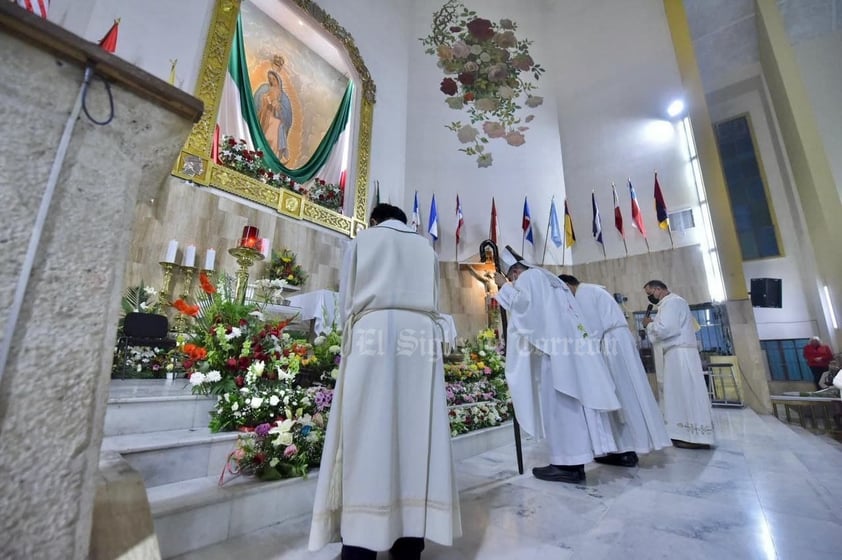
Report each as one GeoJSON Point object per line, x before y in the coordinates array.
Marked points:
{"type": "Point", "coordinates": [653, 299]}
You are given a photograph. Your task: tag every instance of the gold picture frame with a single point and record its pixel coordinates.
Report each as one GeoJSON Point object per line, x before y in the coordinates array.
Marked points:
{"type": "Point", "coordinates": [195, 164]}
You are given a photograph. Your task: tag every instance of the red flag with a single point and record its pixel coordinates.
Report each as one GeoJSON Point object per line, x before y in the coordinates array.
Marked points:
{"type": "Point", "coordinates": [618, 216]}
{"type": "Point", "coordinates": [661, 206]}
{"type": "Point", "coordinates": [109, 42]}
{"type": "Point", "coordinates": [637, 217]}
{"type": "Point", "coordinates": [37, 7]}
{"type": "Point", "coordinates": [492, 232]}
{"type": "Point", "coordinates": [460, 220]}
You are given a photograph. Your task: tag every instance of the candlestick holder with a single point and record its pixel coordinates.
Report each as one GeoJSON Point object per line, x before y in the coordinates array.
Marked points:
{"type": "Point", "coordinates": [189, 272]}
{"type": "Point", "coordinates": [166, 284]}
{"type": "Point", "coordinates": [246, 256]}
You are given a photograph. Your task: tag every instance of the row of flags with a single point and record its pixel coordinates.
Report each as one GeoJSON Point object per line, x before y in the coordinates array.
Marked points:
{"type": "Point", "coordinates": [555, 227]}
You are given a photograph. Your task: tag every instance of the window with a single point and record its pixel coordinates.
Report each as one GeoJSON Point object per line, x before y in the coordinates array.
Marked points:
{"type": "Point", "coordinates": [682, 220]}
{"type": "Point", "coordinates": [786, 359]}
{"type": "Point", "coordinates": [744, 180]}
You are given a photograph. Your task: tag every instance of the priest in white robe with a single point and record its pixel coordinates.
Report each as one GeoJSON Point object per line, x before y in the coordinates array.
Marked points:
{"type": "Point", "coordinates": [639, 425]}
{"type": "Point", "coordinates": [686, 405]}
{"type": "Point", "coordinates": [386, 480]}
{"type": "Point", "coordinates": [560, 385]}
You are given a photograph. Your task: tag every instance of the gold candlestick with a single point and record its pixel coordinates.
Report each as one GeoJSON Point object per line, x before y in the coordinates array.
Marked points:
{"type": "Point", "coordinates": [181, 321]}
{"type": "Point", "coordinates": [246, 257]}
{"type": "Point", "coordinates": [166, 283]}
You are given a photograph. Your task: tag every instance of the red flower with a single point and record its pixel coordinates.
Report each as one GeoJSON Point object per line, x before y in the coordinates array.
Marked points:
{"type": "Point", "coordinates": [232, 363]}
{"type": "Point", "coordinates": [481, 29]}
{"type": "Point", "coordinates": [468, 96]}
{"type": "Point", "coordinates": [232, 142]}
{"type": "Point", "coordinates": [207, 285]}
{"type": "Point", "coordinates": [258, 153]}
{"type": "Point", "coordinates": [187, 364]}
{"type": "Point", "coordinates": [448, 86]}
{"type": "Point", "coordinates": [466, 78]}
{"type": "Point", "coordinates": [239, 381]}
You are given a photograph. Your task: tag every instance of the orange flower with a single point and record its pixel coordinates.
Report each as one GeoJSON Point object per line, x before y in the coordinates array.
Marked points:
{"type": "Point", "coordinates": [195, 353]}
{"type": "Point", "coordinates": [186, 308]}
{"type": "Point", "coordinates": [207, 285]}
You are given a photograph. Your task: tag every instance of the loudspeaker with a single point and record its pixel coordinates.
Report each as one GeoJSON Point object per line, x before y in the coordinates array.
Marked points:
{"type": "Point", "coordinates": [766, 292]}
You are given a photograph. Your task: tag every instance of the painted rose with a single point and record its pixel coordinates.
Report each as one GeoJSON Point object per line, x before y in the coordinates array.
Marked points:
{"type": "Point", "coordinates": [470, 66]}
{"type": "Point", "coordinates": [523, 62]}
{"type": "Point", "coordinates": [529, 118]}
{"type": "Point", "coordinates": [534, 101]}
{"type": "Point", "coordinates": [444, 52]}
{"type": "Point", "coordinates": [468, 96]}
{"type": "Point", "coordinates": [505, 92]}
{"type": "Point", "coordinates": [449, 86]}
{"type": "Point", "coordinates": [481, 29]}
{"type": "Point", "coordinates": [515, 138]}
{"type": "Point", "coordinates": [476, 50]}
{"type": "Point", "coordinates": [498, 72]}
{"type": "Point", "coordinates": [486, 104]}
{"type": "Point", "coordinates": [455, 102]}
{"type": "Point", "coordinates": [493, 129]}
{"type": "Point", "coordinates": [467, 134]}
{"type": "Point", "coordinates": [505, 40]}
{"type": "Point", "coordinates": [485, 57]}
{"type": "Point", "coordinates": [460, 49]}
{"type": "Point", "coordinates": [466, 78]}
{"type": "Point", "coordinates": [484, 160]}
{"type": "Point", "coordinates": [507, 24]}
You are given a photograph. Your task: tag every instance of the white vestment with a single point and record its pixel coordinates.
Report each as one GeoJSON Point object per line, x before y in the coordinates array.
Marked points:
{"type": "Point", "coordinates": [387, 468]}
{"type": "Point", "coordinates": [686, 402]}
{"type": "Point", "coordinates": [558, 380]}
{"type": "Point", "coordinates": [640, 426]}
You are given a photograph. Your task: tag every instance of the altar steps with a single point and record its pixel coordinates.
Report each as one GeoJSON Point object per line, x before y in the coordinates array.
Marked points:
{"type": "Point", "coordinates": [160, 431]}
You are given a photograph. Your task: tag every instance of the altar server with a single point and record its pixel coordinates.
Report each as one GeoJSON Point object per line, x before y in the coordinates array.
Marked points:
{"type": "Point", "coordinates": [686, 403]}
{"type": "Point", "coordinates": [639, 427]}
{"type": "Point", "coordinates": [560, 385]}
{"type": "Point", "coordinates": [386, 480]}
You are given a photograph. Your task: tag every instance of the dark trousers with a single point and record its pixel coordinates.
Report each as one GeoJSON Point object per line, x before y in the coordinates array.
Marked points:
{"type": "Point", "coordinates": [405, 548]}
{"type": "Point", "coordinates": [817, 374]}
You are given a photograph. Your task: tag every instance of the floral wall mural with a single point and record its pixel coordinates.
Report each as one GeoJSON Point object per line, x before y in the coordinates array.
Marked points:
{"type": "Point", "coordinates": [488, 72]}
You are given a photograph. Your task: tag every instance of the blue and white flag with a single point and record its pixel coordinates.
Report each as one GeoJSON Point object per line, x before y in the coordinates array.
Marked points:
{"type": "Point", "coordinates": [526, 224]}
{"type": "Point", "coordinates": [416, 214]}
{"type": "Point", "coordinates": [433, 227]}
{"type": "Point", "coordinates": [555, 229]}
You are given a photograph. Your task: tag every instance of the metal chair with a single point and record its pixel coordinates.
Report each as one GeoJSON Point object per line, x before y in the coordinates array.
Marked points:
{"type": "Point", "coordinates": [143, 329]}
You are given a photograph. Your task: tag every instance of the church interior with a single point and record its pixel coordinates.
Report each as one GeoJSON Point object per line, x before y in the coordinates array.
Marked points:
{"type": "Point", "coordinates": [205, 164]}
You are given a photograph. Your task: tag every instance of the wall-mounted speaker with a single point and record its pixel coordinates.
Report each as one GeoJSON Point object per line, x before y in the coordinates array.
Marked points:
{"type": "Point", "coordinates": [766, 292]}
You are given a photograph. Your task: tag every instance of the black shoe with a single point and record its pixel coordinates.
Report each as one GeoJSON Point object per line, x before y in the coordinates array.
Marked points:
{"type": "Point", "coordinates": [689, 445]}
{"type": "Point", "coordinates": [627, 459]}
{"type": "Point", "coordinates": [572, 474]}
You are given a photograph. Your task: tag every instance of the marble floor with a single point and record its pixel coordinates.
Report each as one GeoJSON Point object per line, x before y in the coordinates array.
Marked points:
{"type": "Point", "coordinates": [768, 490]}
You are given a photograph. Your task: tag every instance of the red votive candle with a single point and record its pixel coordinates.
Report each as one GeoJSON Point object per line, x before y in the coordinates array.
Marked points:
{"type": "Point", "coordinates": [250, 237]}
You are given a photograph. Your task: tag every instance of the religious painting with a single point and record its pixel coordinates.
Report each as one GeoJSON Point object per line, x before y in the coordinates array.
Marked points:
{"type": "Point", "coordinates": [296, 92]}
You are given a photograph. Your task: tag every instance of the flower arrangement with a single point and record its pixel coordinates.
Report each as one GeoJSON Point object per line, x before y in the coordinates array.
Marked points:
{"type": "Point", "coordinates": [140, 299]}
{"type": "Point", "coordinates": [236, 155]}
{"type": "Point", "coordinates": [484, 63]}
{"type": "Point", "coordinates": [326, 194]}
{"type": "Point", "coordinates": [270, 290]}
{"type": "Point", "coordinates": [283, 267]}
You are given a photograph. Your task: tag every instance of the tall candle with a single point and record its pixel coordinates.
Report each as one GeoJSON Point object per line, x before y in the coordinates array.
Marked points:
{"type": "Point", "coordinates": [172, 249]}
{"type": "Point", "coordinates": [210, 258]}
{"type": "Point", "coordinates": [264, 247]}
{"type": "Point", "coordinates": [189, 256]}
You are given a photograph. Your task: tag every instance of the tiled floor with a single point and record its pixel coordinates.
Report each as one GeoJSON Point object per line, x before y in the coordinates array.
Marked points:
{"type": "Point", "coordinates": [766, 491]}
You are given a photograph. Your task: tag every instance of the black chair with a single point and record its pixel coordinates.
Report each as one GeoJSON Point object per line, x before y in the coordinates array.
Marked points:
{"type": "Point", "coordinates": [143, 329]}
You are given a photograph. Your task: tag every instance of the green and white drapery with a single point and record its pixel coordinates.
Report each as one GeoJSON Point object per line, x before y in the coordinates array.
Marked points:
{"type": "Point", "coordinates": [238, 118]}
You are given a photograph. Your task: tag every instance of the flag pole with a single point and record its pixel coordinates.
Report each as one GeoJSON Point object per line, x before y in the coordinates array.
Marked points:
{"type": "Point", "coordinates": [547, 237]}
{"type": "Point", "coordinates": [648, 250]}
{"type": "Point", "coordinates": [625, 245]}
{"type": "Point", "coordinates": [604, 255]}
{"type": "Point", "coordinates": [669, 231]}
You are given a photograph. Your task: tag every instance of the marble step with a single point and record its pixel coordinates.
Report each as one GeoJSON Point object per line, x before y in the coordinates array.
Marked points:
{"type": "Point", "coordinates": [173, 455]}
{"type": "Point", "coordinates": [141, 406]}
{"type": "Point", "coordinates": [195, 513]}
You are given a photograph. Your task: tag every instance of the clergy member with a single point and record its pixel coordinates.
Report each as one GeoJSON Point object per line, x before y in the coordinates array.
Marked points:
{"type": "Point", "coordinates": [639, 427]}
{"type": "Point", "coordinates": [560, 385]}
{"type": "Point", "coordinates": [386, 480]}
{"type": "Point", "coordinates": [686, 402]}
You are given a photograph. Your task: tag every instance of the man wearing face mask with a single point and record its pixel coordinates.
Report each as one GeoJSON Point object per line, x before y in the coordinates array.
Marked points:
{"type": "Point", "coordinates": [686, 403]}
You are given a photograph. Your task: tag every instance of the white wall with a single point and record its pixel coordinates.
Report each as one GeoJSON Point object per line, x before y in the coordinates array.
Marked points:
{"type": "Point", "coordinates": [154, 31]}
{"type": "Point", "coordinates": [614, 71]}
{"type": "Point", "coordinates": [820, 62]}
{"type": "Point", "coordinates": [434, 164]}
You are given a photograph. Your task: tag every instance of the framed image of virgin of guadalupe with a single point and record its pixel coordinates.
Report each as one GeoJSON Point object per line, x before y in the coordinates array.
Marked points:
{"type": "Point", "coordinates": [288, 113]}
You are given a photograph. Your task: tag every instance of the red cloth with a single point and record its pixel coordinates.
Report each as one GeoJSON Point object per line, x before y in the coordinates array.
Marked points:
{"type": "Point", "coordinates": [818, 356]}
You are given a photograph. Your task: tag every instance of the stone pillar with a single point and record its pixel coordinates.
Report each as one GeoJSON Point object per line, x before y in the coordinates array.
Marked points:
{"type": "Point", "coordinates": [743, 325]}
{"type": "Point", "coordinates": [54, 383]}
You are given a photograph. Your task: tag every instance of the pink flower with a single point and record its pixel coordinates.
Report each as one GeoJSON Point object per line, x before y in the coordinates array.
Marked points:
{"type": "Point", "coordinates": [515, 138]}
{"type": "Point", "coordinates": [290, 451]}
{"type": "Point", "coordinates": [493, 129]}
